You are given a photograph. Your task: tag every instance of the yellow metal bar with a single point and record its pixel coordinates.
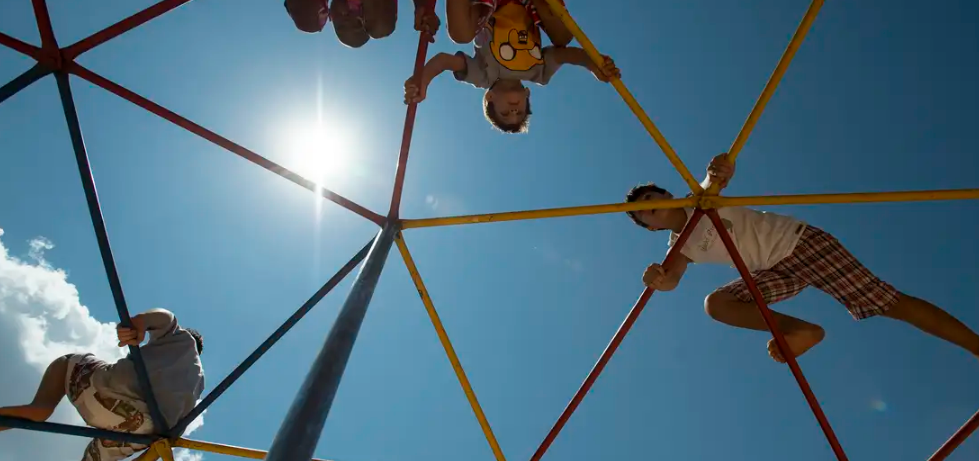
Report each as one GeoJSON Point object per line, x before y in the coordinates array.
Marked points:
{"type": "Point", "coordinates": [562, 13]}
{"type": "Point", "coordinates": [773, 81]}
{"type": "Point", "coordinates": [223, 449]}
{"type": "Point", "coordinates": [148, 455]}
{"type": "Point", "coordinates": [163, 450]}
{"type": "Point", "coordinates": [550, 213]}
{"type": "Point", "coordinates": [862, 197]}
{"type": "Point", "coordinates": [449, 350]}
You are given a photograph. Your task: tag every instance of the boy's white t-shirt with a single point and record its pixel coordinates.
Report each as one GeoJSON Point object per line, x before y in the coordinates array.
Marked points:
{"type": "Point", "coordinates": [762, 238]}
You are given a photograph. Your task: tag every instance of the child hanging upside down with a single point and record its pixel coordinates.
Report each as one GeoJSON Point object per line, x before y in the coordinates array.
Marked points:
{"type": "Point", "coordinates": [785, 256]}
{"type": "Point", "coordinates": [508, 51]}
{"type": "Point", "coordinates": [357, 21]}
{"type": "Point", "coordinates": [108, 396]}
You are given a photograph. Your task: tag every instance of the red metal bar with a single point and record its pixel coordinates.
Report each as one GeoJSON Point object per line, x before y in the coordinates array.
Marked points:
{"type": "Point", "coordinates": [399, 177]}
{"type": "Point", "coordinates": [779, 338]}
{"type": "Point", "coordinates": [48, 42]}
{"type": "Point", "coordinates": [963, 433]}
{"type": "Point", "coordinates": [119, 28]}
{"type": "Point", "coordinates": [614, 343]}
{"type": "Point", "coordinates": [240, 151]}
{"type": "Point", "coordinates": [21, 47]}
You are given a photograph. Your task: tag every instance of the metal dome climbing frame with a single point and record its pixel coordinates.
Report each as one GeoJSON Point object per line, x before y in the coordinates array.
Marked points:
{"type": "Point", "coordinates": [300, 431]}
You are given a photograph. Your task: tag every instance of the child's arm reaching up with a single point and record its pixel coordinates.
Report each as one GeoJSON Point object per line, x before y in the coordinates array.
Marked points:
{"type": "Point", "coordinates": [665, 278]}
{"type": "Point", "coordinates": [577, 56]}
{"type": "Point", "coordinates": [416, 87]}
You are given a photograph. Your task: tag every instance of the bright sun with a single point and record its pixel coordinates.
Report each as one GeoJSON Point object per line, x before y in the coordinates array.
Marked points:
{"type": "Point", "coordinates": [318, 153]}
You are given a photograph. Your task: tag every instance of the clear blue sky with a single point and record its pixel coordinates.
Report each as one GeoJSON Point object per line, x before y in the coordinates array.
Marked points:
{"type": "Point", "coordinates": [881, 96]}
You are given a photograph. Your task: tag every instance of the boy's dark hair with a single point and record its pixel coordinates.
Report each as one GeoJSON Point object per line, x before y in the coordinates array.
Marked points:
{"type": "Point", "coordinates": [197, 339]}
{"type": "Point", "coordinates": [636, 193]}
{"type": "Point", "coordinates": [489, 110]}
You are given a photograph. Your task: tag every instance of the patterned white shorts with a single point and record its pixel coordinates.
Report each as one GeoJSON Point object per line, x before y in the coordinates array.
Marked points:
{"type": "Point", "coordinates": [104, 412]}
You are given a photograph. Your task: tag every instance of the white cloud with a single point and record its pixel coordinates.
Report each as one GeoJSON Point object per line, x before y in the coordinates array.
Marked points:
{"type": "Point", "coordinates": [41, 319]}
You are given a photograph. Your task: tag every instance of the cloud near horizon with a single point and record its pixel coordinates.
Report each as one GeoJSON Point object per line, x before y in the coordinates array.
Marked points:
{"type": "Point", "coordinates": [41, 319]}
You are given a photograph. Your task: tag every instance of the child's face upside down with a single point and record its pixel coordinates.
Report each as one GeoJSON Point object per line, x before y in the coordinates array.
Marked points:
{"type": "Point", "coordinates": [509, 98]}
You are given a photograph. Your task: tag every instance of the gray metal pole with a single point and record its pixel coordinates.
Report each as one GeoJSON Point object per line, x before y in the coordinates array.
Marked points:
{"type": "Point", "coordinates": [298, 436]}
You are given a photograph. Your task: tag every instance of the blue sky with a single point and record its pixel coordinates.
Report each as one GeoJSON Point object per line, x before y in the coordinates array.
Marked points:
{"type": "Point", "coordinates": [881, 96]}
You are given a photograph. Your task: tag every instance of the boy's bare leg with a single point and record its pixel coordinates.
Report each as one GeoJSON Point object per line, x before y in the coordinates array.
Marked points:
{"type": "Point", "coordinates": [47, 397]}
{"type": "Point", "coordinates": [799, 334]}
{"type": "Point", "coordinates": [933, 320]}
{"type": "Point", "coordinates": [461, 19]}
{"type": "Point", "coordinates": [380, 17]}
{"type": "Point", "coordinates": [553, 27]}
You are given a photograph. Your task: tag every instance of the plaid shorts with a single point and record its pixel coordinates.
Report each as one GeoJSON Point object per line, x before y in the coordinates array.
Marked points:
{"type": "Point", "coordinates": [104, 412]}
{"type": "Point", "coordinates": [496, 4]}
{"type": "Point", "coordinates": [821, 261]}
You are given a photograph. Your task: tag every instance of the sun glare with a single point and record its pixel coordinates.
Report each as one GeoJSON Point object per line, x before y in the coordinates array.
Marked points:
{"type": "Point", "coordinates": [318, 154]}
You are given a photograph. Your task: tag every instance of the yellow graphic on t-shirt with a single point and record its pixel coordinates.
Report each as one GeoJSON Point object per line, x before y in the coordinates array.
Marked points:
{"type": "Point", "coordinates": [516, 39]}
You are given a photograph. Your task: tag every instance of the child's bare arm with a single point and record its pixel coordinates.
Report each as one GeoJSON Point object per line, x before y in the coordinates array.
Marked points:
{"type": "Point", "coordinates": [553, 27]}
{"type": "Point", "coordinates": [416, 88]}
{"type": "Point", "coordinates": [577, 56]}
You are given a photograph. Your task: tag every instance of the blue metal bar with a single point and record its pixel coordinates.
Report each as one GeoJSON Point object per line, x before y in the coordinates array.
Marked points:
{"type": "Point", "coordinates": [80, 431]}
{"type": "Point", "coordinates": [95, 211]}
{"type": "Point", "coordinates": [23, 81]}
{"type": "Point", "coordinates": [303, 425]}
{"type": "Point", "coordinates": [181, 426]}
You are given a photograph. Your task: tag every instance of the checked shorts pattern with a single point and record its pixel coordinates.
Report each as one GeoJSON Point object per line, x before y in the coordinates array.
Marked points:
{"type": "Point", "coordinates": [821, 261]}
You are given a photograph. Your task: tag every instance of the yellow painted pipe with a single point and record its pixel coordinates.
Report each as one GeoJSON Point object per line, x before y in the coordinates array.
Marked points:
{"type": "Point", "coordinates": [149, 455]}
{"type": "Point", "coordinates": [861, 197]}
{"type": "Point", "coordinates": [550, 213]}
{"type": "Point", "coordinates": [163, 450]}
{"type": "Point", "coordinates": [773, 81]}
{"type": "Point", "coordinates": [449, 350]}
{"type": "Point", "coordinates": [562, 13]}
{"type": "Point", "coordinates": [223, 449]}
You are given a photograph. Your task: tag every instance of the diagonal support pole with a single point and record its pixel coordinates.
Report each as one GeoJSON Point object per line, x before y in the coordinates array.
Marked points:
{"type": "Point", "coordinates": [399, 176]}
{"type": "Point", "coordinates": [561, 12]}
{"type": "Point", "coordinates": [102, 235]}
{"type": "Point", "coordinates": [221, 141]}
{"type": "Point", "coordinates": [22, 81]}
{"type": "Point", "coordinates": [449, 350]}
{"type": "Point", "coordinates": [613, 345]}
{"type": "Point", "coordinates": [303, 425]}
{"type": "Point", "coordinates": [783, 346]}
{"type": "Point", "coordinates": [119, 28]}
{"type": "Point", "coordinates": [957, 439]}
{"type": "Point", "coordinates": [20, 46]}
{"type": "Point", "coordinates": [773, 81]}
{"type": "Point", "coordinates": [78, 431]}
{"type": "Point", "coordinates": [181, 426]}
{"type": "Point", "coordinates": [48, 43]}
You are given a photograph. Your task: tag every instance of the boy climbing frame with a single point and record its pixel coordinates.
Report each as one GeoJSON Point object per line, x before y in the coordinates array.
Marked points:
{"type": "Point", "coordinates": [51, 59]}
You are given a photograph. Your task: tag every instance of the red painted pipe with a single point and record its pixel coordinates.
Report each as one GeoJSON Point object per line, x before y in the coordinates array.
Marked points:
{"type": "Point", "coordinates": [963, 433]}
{"type": "Point", "coordinates": [399, 176]}
{"type": "Point", "coordinates": [21, 47]}
{"type": "Point", "coordinates": [240, 151]}
{"type": "Point", "coordinates": [779, 338]}
{"type": "Point", "coordinates": [73, 51]}
{"type": "Point", "coordinates": [614, 343]}
{"type": "Point", "coordinates": [48, 42]}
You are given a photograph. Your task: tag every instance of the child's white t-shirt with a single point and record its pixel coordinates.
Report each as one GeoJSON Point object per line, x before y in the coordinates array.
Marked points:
{"type": "Point", "coordinates": [762, 238]}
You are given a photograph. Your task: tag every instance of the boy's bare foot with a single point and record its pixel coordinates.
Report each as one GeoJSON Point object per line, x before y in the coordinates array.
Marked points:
{"type": "Point", "coordinates": [799, 341]}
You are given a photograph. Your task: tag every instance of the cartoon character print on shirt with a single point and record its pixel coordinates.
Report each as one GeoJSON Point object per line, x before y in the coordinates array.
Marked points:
{"type": "Point", "coordinates": [515, 41]}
